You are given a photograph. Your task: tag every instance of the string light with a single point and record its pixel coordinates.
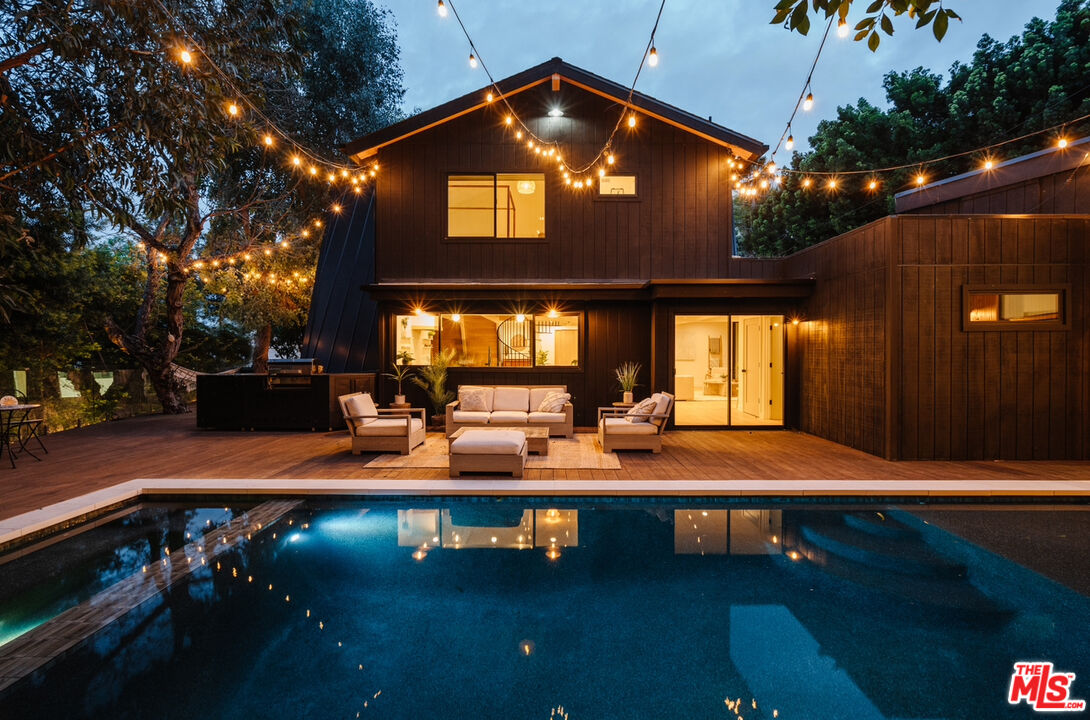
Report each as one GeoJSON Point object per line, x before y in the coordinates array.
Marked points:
{"type": "Point", "coordinates": [268, 140]}
{"type": "Point", "coordinates": [442, 9]}
{"type": "Point", "coordinates": [872, 185]}
{"type": "Point", "coordinates": [920, 179]}
{"type": "Point", "coordinates": [632, 120]}
{"type": "Point", "coordinates": [232, 110]}
{"type": "Point", "coordinates": [185, 56]}
{"type": "Point", "coordinates": [808, 103]}
{"type": "Point", "coordinates": [488, 97]}
{"type": "Point", "coordinates": [790, 144]}
{"type": "Point", "coordinates": [842, 28]}
{"type": "Point", "coordinates": [653, 57]}
{"type": "Point", "coordinates": [989, 164]}
{"type": "Point", "coordinates": [1061, 143]}
{"type": "Point", "coordinates": [807, 182]}
{"type": "Point", "coordinates": [610, 159]}
{"type": "Point", "coordinates": [831, 184]}
{"type": "Point", "coordinates": [473, 61]}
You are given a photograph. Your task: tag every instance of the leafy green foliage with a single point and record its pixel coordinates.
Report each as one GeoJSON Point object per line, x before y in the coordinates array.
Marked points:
{"type": "Point", "coordinates": [1009, 89]}
{"type": "Point", "coordinates": [433, 379]}
{"type": "Point", "coordinates": [795, 15]}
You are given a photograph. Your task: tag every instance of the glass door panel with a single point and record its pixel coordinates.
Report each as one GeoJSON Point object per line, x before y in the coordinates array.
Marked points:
{"type": "Point", "coordinates": [702, 373]}
{"type": "Point", "coordinates": [756, 365]}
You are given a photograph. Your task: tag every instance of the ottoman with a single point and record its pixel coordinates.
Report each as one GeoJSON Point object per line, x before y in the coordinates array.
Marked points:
{"type": "Point", "coordinates": [477, 451]}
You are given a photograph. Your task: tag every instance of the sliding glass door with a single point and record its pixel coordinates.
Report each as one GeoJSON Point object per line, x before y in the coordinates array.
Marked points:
{"type": "Point", "coordinates": [728, 370]}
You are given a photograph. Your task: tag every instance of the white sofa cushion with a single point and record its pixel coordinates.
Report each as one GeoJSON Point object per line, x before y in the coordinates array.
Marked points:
{"type": "Point", "coordinates": [465, 416]}
{"type": "Point", "coordinates": [641, 411]}
{"type": "Point", "coordinates": [538, 394]}
{"type": "Point", "coordinates": [507, 417]}
{"type": "Point", "coordinates": [488, 442]}
{"type": "Point", "coordinates": [362, 404]}
{"type": "Point", "coordinates": [388, 427]}
{"type": "Point", "coordinates": [619, 426]}
{"type": "Point", "coordinates": [547, 417]}
{"type": "Point", "coordinates": [553, 402]}
{"type": "Point", "coordinates": [471, 394]}
{"type": "Point", "coordinates": [511, 398]}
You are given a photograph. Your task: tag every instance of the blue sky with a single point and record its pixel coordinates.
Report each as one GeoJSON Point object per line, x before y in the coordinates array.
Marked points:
{"type": "Point", "coordinates": [718, 57]}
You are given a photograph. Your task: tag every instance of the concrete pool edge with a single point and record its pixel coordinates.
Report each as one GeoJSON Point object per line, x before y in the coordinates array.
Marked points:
{"type": "Point", "coordinates": [67, 511]}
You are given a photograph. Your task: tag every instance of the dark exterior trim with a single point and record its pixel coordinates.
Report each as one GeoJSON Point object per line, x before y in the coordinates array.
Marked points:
{"type": "Point", "coordinates": [633, 290]}
{"type": "Point", "coordinates": [746, 147]}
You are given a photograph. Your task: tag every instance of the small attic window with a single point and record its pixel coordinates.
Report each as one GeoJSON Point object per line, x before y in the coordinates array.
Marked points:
{"type": "Point", "coordinates": [617, 186]}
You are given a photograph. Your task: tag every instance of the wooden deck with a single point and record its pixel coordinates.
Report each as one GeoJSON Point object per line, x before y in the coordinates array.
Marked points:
{"type": "Point", "coordinates": [89, 459]}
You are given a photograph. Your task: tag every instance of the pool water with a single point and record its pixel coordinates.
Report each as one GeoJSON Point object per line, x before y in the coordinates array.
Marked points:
{"type": "Point", "coordinates": [490, 609]}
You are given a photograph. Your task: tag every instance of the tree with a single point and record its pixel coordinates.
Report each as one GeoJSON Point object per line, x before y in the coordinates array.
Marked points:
{"type": "Point", "coordinates": [116, 109]}
{"type": "Point", "coordinates": [795, 15]}
{"type": "Point", "coordinates": [1028, 83]}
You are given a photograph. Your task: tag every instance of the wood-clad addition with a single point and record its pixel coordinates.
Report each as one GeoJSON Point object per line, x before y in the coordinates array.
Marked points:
{"type": "Point", "coordinates": [886, 365]}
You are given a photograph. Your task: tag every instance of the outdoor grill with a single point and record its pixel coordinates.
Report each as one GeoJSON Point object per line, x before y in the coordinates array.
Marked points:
{"type": "Point", "coordinates": [292, 372]}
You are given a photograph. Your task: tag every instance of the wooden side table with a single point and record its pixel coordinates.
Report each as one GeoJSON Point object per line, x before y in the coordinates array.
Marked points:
{"type": "Point", "coordinates": [405, 408]}
{"type": "Point", "coordinates": [620, 404]}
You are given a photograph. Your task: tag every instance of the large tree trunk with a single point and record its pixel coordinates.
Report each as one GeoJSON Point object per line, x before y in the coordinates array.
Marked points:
{"type": "Point", "coordinates": [158, 361]}
{"type": "Point", "coordinates": [262, 341]}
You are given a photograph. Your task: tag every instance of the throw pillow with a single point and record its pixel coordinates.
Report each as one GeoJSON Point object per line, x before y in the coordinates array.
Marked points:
{"type": "Point", "coordinates": [554, 402]}
{"type": "Point", "coordinates": [641, 411]}
{"type": "Point", "coordinates": [363, 408]}
{"type": "Point", "coordinates": [472, 400]}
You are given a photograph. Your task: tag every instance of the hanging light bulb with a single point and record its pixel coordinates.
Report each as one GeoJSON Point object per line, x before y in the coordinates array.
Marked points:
{"type": "Point", "coordinates": [920, 179]}
{"type": "Point", "coordinates": [610, 159]}
{"type": "Point", "coordinates": [790, 144]}
{"type": "Point", "coordinates": [808, 102]}
{"type": "Point", "coordinates": [268, 140]}
{"type": "Point", "coordinates": [472, 60]}
{"type": "Point", "coordinates": [1061, 143]}
{"type": "Point", "coordinates": [296, 161]}
{"type": "Point", "coordinates": [771, 168]}
{"type": "Point", "coordinates": [632, 120]}
{"type": "Point", "coordinates": [872, 185]}
{"type": "Point", "coordinates": [831, 184]}
{"type": "Point", "coordinates": [488, 97]}
{"type": "Point", "coordinates": [509, 120]}
{"type": "Point", "coordinates": [807, 182]}
{"type": "Point", "coordinates": [653, 57]}
{"type": "Point", "coordinates": [185, 56]}
{"type": "Point", "coordinates": [232, 110]}
{"type": "Point", "coordinates": [989, 164]}
{"type": "Point", "coordinates": [442, 9]}
{"type": "Point", "coordinates": [842, 28]}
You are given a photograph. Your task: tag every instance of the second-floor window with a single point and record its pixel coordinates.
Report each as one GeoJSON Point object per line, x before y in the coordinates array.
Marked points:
{"type": "Point", "coordinates": [496, 205]}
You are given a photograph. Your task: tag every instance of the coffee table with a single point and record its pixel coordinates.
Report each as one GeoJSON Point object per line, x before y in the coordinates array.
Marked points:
{"type": "Point", "coordinates": [537, 438]}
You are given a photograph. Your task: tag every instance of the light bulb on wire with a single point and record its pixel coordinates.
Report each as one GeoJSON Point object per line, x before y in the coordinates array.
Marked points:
{"type": "Point", "coordinates": [842, 28]}
{"type": "Point", "coordinates": [790, 142]}
{"type": "Point", "coordinates": [472, 60]}
{"type": "Point", "coordinates": [653, 57]}
{"type": "Point", "coordinates": [808, 102]}
{"type": "Point", "coordinates": [441, 9]}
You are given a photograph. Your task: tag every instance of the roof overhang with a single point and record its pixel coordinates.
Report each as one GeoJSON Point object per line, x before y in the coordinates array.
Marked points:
{"type": "Point", "coordinates": [1019, 169]}
{"type": "Point", "coordinates": [556, 70]}
{"type": "Point", "coordinates": [412, 292]}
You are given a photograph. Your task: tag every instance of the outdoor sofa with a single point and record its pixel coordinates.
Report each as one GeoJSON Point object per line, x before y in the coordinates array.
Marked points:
{"type": "Point", "coordinates": [510, 406]}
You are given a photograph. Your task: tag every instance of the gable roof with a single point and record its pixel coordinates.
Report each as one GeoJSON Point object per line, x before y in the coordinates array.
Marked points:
{"type": "Point", "coordinates": [745, 147]}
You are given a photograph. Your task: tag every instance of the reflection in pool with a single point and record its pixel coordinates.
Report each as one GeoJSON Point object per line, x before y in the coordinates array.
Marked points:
{"type": "Point", "coordinates": [499, 609]}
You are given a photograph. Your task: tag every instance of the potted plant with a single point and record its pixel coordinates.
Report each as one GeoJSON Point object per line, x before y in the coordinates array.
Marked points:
{"type": "Point", "coordinates": [433, 378]}
{"type": "Point", "coordinates": [401, 371]}
{"type": "Point", "coordinates": [626, 377]}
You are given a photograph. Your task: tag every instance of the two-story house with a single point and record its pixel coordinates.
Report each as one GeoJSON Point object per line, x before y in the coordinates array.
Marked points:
{"type": "Point", "coordinates": [474, 240]}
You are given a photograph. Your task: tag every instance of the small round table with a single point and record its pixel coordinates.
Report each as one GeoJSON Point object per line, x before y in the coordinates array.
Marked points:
{"type": "Point", "coordinates": [10, 417]}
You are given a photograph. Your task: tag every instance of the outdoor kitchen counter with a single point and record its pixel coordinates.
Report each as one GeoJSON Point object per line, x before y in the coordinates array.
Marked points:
{"type": "Point", "coordinates": [246, 401]}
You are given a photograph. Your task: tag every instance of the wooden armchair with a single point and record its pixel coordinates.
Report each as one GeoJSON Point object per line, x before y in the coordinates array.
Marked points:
{"type": "Point", "coordinates": [387, 430]}
{"type": "Point", "coordinates": [615, 432]}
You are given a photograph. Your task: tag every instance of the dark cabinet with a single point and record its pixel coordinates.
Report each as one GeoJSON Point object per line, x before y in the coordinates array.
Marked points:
{"type": "Point", "coordinates": [247, 402]}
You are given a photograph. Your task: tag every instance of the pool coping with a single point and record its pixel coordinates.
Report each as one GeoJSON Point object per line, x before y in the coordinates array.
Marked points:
{"type": "Point", "coordinates": [75, 509]}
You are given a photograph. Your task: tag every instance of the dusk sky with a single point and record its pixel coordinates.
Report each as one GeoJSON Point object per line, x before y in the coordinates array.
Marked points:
{"type": "Point", "coordinates": [720, 58]}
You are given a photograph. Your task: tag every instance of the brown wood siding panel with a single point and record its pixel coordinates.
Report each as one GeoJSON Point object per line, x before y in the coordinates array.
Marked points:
{"type": "Point", "coordinates": [988, 395]}
{"type": "Point", "coordinates": [1066, 192]}
{"type": "Point", "coordinates": [679, 227]}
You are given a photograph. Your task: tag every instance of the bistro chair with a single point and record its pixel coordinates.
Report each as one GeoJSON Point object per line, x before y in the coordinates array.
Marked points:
{"type": "Point", "coordinates": [20, 427]}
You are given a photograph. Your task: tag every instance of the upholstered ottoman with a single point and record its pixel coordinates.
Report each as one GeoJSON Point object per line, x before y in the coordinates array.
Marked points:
{"type": "Point", "coordinates": [477, 451]}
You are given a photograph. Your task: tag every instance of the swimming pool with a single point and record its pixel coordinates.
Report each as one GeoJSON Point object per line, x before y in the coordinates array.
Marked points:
{"type": "Point", "coordinates": [524, 609]}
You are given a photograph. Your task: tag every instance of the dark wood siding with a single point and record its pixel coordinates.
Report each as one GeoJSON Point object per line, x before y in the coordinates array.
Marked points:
{"type": "Point", "coordinates": [840, 344]}
{"type": "Point", "coordinates": [1056, 194]}
{"type": "Point", "coordinates": [678, 227]}
{"type": "Point", "coordinates": [987, 395]}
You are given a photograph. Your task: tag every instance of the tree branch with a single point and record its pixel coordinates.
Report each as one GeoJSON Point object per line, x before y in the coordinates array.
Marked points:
{"type": "Point", "coordinates": [22, 58]}
{"type": "Point", "coordinates": [60, 151]}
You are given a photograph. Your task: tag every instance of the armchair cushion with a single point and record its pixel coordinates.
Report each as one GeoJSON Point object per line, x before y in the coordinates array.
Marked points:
{"type": "Point", "coordinates": [392, 427]}
{"type": "Point", "coordinates": [511, 398]}
{"type": "Point", "coordinates": [620, 426]}
{"type": "Point", "coordinates": [362, 405]}
{"type": "Point", "coordinates": [662, 407]}
{"type": "Point", "coordinates": [641, 411]}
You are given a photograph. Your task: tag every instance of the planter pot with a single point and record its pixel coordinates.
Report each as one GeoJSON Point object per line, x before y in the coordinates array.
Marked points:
{"type": "Point", "coordinates": [628, 397]}
{"type": "Point", "coordinates": [399, 400]}
{"type": "Point", "coordinates": [438, 422]}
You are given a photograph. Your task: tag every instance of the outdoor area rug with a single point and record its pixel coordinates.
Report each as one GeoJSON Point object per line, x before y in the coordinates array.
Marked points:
{"type": "Point", "coordinates": [579, 452]}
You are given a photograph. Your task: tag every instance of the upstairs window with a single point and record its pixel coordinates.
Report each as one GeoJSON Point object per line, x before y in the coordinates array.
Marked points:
{"type": "Point", "coordinates": [622, 186]}
{"type": "Point", "coordinates": [500, 205]}
{"type": "Point", "coordinates": [1014, 308]}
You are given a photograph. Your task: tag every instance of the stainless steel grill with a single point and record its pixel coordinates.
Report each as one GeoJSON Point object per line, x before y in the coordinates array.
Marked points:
{"type": "Point", "coordinates": [292, 372]}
